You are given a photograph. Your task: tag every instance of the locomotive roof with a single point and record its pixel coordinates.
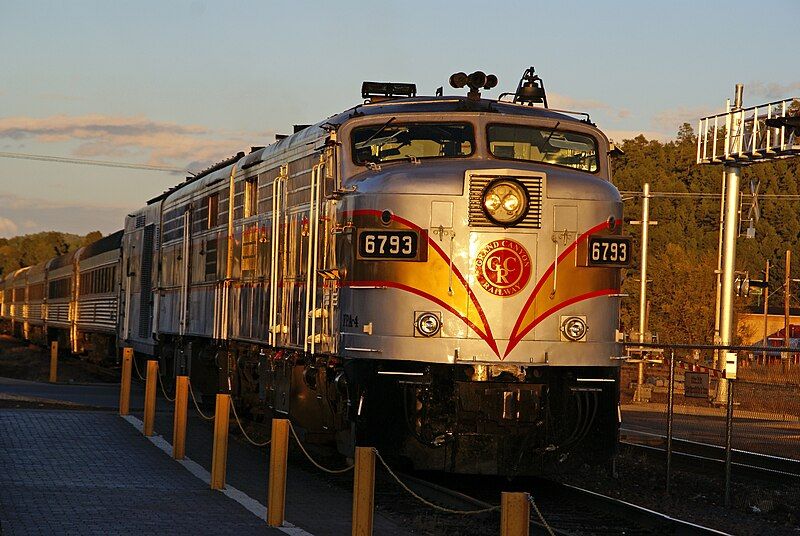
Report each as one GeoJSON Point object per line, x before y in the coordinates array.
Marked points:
{"type": "Point", "coordinates": [61, 260]}
{"type": "Point", "coordinates": [431, 105]}
{"type": "Point", "coordinates": [107, 243]}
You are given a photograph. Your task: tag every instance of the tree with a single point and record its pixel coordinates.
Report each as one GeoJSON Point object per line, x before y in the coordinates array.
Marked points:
{"type": "Point", "coordinates": [27, 250]}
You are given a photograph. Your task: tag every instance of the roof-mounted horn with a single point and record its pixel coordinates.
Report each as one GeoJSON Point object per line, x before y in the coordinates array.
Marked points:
{"type": "Point", "coordinates": [475, 81]}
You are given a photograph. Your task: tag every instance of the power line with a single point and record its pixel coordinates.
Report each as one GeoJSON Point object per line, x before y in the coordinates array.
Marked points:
{"type": "Point", "coordinates": [629, 194]}
{"type": "Point", "coordinates": [104, 163]}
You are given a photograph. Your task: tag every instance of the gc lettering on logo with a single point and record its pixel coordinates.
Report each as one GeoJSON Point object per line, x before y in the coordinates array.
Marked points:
{"type": "Point", "coordinates": [503, 267]}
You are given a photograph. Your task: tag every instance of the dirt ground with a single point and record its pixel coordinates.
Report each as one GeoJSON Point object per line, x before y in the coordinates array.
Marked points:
{"type": "Point", "coordinates": [30, 362]}
{"type": "Point", "coordinates": [698, 496]}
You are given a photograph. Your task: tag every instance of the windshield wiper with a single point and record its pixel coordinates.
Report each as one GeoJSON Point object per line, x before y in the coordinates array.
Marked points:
{"type": "Point", "coordinates": [547, 141]}
{"type": "Point", "coordinates": [386, 124]}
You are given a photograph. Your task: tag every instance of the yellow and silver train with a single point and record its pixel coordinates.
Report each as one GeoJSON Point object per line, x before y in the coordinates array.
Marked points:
{"type": "Point", "coordinates": [435, 276]}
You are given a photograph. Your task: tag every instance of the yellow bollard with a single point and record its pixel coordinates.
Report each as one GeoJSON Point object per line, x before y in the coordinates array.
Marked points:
{"type": "Point", "coordinates": [179, 420]}
{"type": "Point", "coordinates": [125, 382]}
{"type": "Point", "coordinates": [220, 454]}
{"type": "Point", "coordinates": [276, 489]}
{"type": "Point", "coordinates": [364, 491]}
{"type": "Point", "coordinates": [515, 514]}
{"type": "Point", "coordinates": [150, 397]}
{"type": "Point", "coordinates": [54, 362]}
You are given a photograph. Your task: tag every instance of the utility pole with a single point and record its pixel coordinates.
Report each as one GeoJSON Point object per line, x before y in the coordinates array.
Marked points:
{"type": "Point", "coordinates": [766, 311]}
{"type": "Point", "coordinates": [786, 356]}
{"type": "Point", "coordinates": [719, 267]}
{"type": "Point", "coordinates": [639, 395]}
{"type": "Point", "coordinates": [734, 133]}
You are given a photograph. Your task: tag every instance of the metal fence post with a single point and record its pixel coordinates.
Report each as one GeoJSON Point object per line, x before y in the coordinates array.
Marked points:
{"type": "Point", "coordinates": [670, 416]}
{"type": "Point", "coordinates": [150, 397]}
{"type": "Point", "coordinates": [179, 418]}
{"type": "Point", "coordinates": [364, 491]}
{"type": "Point", "coordinates": [219, 456]}
{"type": "Point", "coordinates": [728, 433]}
{"type": "Point", "coordinates": [54, 362]}
{"type": "Point", "coordinates": [276, 488]}
{"type": "Point", "coordinates": [125, 382]}
{"type": "Point", "coordinates": [515, 514]}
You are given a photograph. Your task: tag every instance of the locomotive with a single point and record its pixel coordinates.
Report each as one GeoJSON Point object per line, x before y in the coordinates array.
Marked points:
{"type": "Point", "coordinates": [436, 276]}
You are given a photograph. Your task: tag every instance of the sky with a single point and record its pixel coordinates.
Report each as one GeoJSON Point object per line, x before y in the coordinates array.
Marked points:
{"type": "Point", "coordinates": [183, 84]}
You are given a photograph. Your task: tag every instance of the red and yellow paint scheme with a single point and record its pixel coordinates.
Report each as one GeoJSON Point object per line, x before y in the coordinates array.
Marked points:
{"type": "Point", "coordinates": [502, 268]}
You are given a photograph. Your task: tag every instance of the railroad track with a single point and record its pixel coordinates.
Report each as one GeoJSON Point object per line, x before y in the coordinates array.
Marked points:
{"type": "Point", "coordinates": [695, 453]}
{"type": "Point", "coordinates": [567, 510]}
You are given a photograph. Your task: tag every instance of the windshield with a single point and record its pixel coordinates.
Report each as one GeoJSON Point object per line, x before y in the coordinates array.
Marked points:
{"type": "Point", "coordinates": [389, 141]}
{"type": "Point", "coordinates": [550, 146]}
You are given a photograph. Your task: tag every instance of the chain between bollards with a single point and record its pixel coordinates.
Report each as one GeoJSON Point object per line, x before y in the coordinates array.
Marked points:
{"type": "Point", "coordinates": [164, 391]}
{"type": "Point", "coordinates": [540, 516]}
{"type": "Point", "coordinates": [427, 502]}
{"type": "Point", "coordinates": [197, 406]}
{"type": "Point", "coordinates": [312, 460]}
{"type": "Point", "coordinates": [241, 428]}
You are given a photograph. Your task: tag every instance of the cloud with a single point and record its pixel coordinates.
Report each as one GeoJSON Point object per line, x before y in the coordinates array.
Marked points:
{"type": "Point", "coordinates": [70, 217]}
{"type": "Point", "coordinates": [556, 100]}
{"type": "Point", "coordinates": [772, 90]}
{"type": "Point", "coordinates": [58, 97]}
{"type": "Point", "coordinates": [7, 227]}
{"type": "Point", "coordinates": [16, 202]}
{"type": "Point", "coordinates": [132, 137]}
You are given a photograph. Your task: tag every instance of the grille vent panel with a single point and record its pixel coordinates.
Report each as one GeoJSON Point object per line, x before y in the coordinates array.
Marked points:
{"type": "Point", "coordinates": [533, 185]}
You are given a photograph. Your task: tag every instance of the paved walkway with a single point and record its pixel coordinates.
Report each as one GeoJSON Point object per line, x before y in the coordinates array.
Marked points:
{"type": "Point", "coordinates": [76, 472]}
{"type": "Point", "coordinates": [86, 470]}
{"type": "Point", "coordinates": [99, 395]}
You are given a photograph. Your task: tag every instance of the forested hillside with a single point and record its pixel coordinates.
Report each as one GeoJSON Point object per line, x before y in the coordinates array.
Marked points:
{"type": "Point", "coordinates": [683, 246]}
{"type": "Point", "coordinates": [31, 249]}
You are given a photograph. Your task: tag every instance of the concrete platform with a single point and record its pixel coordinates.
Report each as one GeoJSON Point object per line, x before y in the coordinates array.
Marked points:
{"type": "Point", "coordinates": [92, 472]}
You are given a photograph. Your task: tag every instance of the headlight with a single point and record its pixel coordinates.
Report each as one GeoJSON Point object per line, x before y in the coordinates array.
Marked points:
{"type": "Point", "coordinates": [505, 202]}
{"type": "Point", "coordinates": [574, 328]}
{"type": "Point", "coordinates": [428, 324]}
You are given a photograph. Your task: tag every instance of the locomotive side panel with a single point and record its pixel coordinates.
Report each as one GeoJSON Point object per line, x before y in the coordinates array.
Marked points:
{"type": "Point", "coordinates": [138, 279]}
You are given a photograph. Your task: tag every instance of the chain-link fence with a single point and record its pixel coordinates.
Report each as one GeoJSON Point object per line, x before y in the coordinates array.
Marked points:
{"type": "Point", "coordinates": [765, 396]}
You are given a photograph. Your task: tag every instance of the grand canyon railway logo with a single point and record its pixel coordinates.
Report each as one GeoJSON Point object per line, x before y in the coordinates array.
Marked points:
{"type": "Point", "coordinates": [503, 267]}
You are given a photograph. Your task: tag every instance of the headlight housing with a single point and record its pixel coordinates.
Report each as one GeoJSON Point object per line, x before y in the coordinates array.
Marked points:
{"type": "Point", "coordinates": [428, 324]}
{"type": "Point", "coordinates": [505, 202]}
{"type": "Point", "coordinates": [574, 328]}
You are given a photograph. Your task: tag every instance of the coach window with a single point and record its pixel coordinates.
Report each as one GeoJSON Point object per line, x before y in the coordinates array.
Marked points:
{"type": "Point", "coordinates": [547, 145]}
{"type": "Point", "coordinates": [389, 141]}
{"type": "Point", "coordinates": [251, 197]}
{"type": "Point", "coordinates": [213, 211]}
